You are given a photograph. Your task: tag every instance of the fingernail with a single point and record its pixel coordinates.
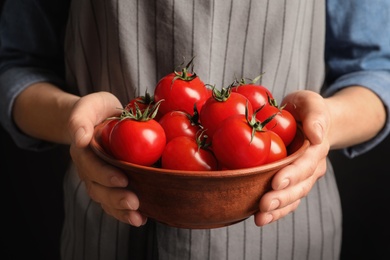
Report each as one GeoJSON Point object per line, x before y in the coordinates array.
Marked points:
{"type": "Point", "coordinates": [144, 222]}
{"type": "Point", "coordinates": [79, 135]}
{"type": "Point", "coordinates": [268, 219]}
{"type": "Point", "coordinates": [130, 222]}
{"type": "Point", "coordinates": [118, 181]}
{"type": "Point", "coordinates": [133, 203]}
{"type": "Point", "coordinates": [125, 204]}
{"type": "Point", "coordinates": [274, 204]}
{"type": "Point", "coordinates": [283, 184]}
{"type": "Point", "coordinates": [319, 131]}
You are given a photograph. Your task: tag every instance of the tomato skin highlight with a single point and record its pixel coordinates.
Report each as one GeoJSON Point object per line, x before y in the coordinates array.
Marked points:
{"type": "Point", "coordinates": [178, 123]}
{"type": "Point", "coordinates": [138, 142]}
{"type": "Point", "coordinates": [233, 147]}
{"type": "Point", "coordinates": [214, 111]}
{"type": "Point", "coordinates": [183, 153]}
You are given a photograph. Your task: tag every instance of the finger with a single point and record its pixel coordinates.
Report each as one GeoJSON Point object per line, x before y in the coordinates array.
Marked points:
{"type": "Point", "coordinates": [274, 200]}
{"type": "Point", "coordinates": [309, 108]}
{"type": "Point", "coordinates": [295, 181]}
{"type": "Point", "coordinates": [264, 218]}
{"type": "Point", "coordinates": [120, 203]}
{"type": "Point", "coordinates": [88, 112]}
{"type": "Point", "coordinates": [116, 198]}
{"type": "Point", "coordinates": [91, 168]}
{"type": "Point", "coordinates": [117, 202]}
{"type": "Point", "coordinates": [302, 168]}
{"type": "Point", "coordinates": [131, 217]}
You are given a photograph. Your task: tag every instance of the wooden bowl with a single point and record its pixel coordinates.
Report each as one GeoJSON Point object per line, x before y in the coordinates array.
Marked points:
{"type": "Point", "coordinates": [200, 199]}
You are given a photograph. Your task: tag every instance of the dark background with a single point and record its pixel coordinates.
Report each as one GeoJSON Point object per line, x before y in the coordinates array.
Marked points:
{"type": "Point", "coordinates": [365, 195]}
{"type": "Point", "coordinates": [32, 210]}
{"type": "Point", "coordinates": [32, 207]}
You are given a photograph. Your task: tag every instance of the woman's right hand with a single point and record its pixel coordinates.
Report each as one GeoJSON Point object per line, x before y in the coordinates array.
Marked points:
{"type": "Point", "coordinates": [105, 184]}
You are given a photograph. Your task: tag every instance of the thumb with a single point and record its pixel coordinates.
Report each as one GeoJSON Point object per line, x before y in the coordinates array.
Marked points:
{"type": "Point", "coordinates": [309, 108]}
{"type": "Point", "coordinates": [314, 132]}
{"type": "Point", "coordinates": [88, 112]}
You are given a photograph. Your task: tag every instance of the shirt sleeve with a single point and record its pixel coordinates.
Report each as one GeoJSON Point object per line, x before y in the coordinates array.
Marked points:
{"type": "Point", "coordinates": [31, 51]}
{"type": "Point", "coordinates": [358, 53]}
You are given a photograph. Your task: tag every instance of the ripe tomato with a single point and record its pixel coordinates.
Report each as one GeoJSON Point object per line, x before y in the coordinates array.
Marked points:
{"type": "Point", "coordinates": [237, 146]}
{"type": "Point", "coordinates": [277, 149]}
{"type": "Point", "coordinates": [209, 91]}
{"type": "Point", "coordinates": [220, 106]}
{"type": "Point", "coordinates": [105, 132]}
{"type": "Point", "coordinates": [178, 123]}
{"type": "Point", "coordinates": [180, 91]}
{"type": "Point", "coordinates": [256, 94]}
{"type": "Point", "coordinates": [139, 142]}
{"type": "Point", "coordinates": [141, 101]}
{"type": "Point", "coordinates": [185, 153]}
{"type": "Point", "coordinates": [283, 123]}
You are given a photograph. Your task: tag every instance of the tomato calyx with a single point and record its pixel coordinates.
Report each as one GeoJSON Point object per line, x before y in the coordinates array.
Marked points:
{"type": "Point", "coordinates": [185, 74]}
{"type": "Point", "coordinates": [201, 140]}
{"type": "Point", "coordinates": [274, 103]}
{"type": "Point", "coordinates": [117, 117]}
{"type": "Point", "coordinates": [221, 95]}
{"type": "Point", "coordinates": [257, 125]}
{"type": "Point", "coordinates": [242, 81]}
{"type": "Point", "coordinates": [141, 115]}
{"type": "Point", "coordinates": [194, 119]}
{"type": "Point", "coordinates": [146, 99]}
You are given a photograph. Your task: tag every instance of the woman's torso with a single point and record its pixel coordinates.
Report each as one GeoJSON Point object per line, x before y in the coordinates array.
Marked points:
{"type": "Point", "coordinates": [126, 46]}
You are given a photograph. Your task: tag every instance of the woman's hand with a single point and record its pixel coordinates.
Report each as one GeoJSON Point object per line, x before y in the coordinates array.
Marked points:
{"type": "Point", "coordinates": [351, 116]}
{"type": "Point", "coordinates": [295, 181]}
{"type": "Point", "coordinates": [105, 184]}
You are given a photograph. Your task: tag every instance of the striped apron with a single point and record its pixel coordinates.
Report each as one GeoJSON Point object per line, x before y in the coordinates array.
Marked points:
{"type": "Point", "coordinates": [126, 46]}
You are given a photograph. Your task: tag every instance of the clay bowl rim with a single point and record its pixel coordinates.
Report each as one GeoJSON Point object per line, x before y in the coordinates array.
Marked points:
{"type": "Point", "coordinates": [99, 150]}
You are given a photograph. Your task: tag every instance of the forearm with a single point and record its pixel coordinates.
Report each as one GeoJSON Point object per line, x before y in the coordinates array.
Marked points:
{"type": "Point", "coordinates": [357, 115]}
{"type": "Point", "coordinates": [42, 111]}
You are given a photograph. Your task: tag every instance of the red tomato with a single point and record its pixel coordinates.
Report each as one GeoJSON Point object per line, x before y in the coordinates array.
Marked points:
{"type": "Point", "coordinates": [283, 123]}
{"type": "Point", "coordinates": [237, 146]}
{"type": "Point", "coordinates": [139, 142]}
{"type": "Point", "coordinates": [178, 123]}
{"type": "Point", "coordinates": [278, 148]}
{"type": "Point", "coordinates": [185, 153]}
{"type": "Point", "coordinates": [105, 132]}
{"type": "Point", "coordinates": [220, 106]}
{"type": "Point", "coordinates": [256, 94]}
{"type": "Point", "coordinates": [209, 90]}
{"type": "Point", "coordinates": [180, 91]}
{"type": "Point", "coordinates": [141, 101]}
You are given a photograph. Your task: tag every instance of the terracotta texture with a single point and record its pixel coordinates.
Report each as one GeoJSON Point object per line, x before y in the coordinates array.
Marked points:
{"type": "Point", "coordinates": [200, 199]}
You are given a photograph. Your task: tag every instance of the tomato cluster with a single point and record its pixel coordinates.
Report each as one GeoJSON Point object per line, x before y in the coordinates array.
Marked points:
{"type": "Point", "coordinates": [190, 125]}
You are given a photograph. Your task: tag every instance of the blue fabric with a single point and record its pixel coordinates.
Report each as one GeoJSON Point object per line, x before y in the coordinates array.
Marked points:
{"type": "Point", "coordinates": [12, 82]}
{"type": "Point", "coordinates": [31, 51]}
{"type": "Point", "coordinates": [357, 53]}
